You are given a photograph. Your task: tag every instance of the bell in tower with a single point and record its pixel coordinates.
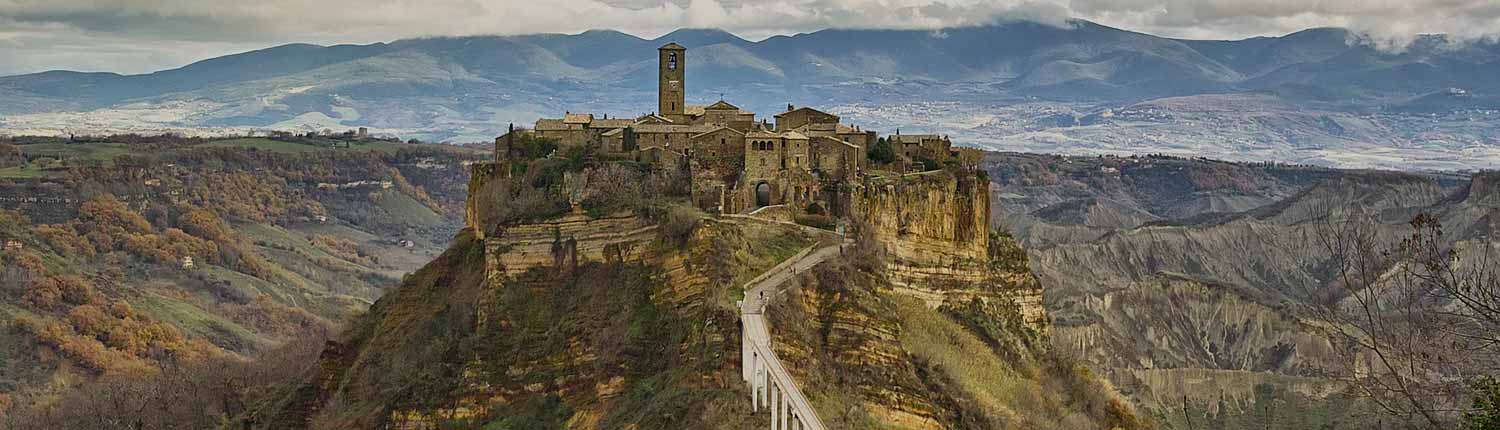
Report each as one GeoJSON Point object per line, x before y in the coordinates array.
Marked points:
{"type": "Point", "coordinates": [671, 83]}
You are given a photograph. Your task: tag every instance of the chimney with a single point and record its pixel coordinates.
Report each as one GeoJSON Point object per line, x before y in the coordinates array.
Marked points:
{"type": "Point", "coordinates": [789, 107]}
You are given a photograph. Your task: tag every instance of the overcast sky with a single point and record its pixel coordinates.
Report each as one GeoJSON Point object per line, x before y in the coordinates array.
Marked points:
{"type": "Point", "coordinates": [135, 36]}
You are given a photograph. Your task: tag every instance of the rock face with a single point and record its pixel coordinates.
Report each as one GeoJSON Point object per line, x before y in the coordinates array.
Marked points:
{"type": "Point", "coordinates": [934, 226]}
{"type": "Point", "coordinates": [479, 175]}
{"type": "Point", "coordinates": [1173, 322]}
{"type": "Point", "coordinates": [935, 229]}
{"type": "Point", "coordinates": [842, 342]}
{"type": "Point", "coordinates": [565, 243]}
{"type": "Point", "coordinates": [1207, 302]}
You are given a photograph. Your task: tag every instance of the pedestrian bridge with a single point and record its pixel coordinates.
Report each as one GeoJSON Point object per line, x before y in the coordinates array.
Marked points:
{"type": "Point", "coordinates": [772, 390]}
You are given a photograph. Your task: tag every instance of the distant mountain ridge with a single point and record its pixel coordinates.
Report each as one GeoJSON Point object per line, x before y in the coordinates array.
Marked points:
{"type": "Point", "coordinates": [480, 82]}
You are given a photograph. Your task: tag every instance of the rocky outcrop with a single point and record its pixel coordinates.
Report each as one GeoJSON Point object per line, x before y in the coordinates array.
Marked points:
{"type": "Point", "coordinates": [1484, 189]}
{"type": "Point", "coordinates": [1174, 322]}
{"type": "Point", "coordinates": [934, 227]}
{"type": "Point", "coordinates": [564, 243]}
{"type": "Point", "coordinates": [479, 175]}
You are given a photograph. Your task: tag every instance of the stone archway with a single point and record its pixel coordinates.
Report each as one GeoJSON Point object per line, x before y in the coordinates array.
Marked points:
{"type": "Point", "coordinates": [762, 194]}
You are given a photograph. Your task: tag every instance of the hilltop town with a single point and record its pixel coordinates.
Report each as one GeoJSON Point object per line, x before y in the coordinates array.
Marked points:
{"type": "Point", "coordinates": [917, 194]}
{"type": "Point", "coordinates": [739, 163]}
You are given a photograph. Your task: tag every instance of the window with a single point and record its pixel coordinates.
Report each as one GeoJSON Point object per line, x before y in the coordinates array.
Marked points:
{"type": "Point", "coordinates": [672, 61]}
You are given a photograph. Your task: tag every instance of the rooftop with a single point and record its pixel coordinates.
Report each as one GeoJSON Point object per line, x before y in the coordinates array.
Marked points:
{"type": "Point", "coordinates": [722, 105]}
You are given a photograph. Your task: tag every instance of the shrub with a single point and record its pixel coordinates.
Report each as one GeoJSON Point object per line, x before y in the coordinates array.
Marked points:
{"type": "Point", "coordinates": [678, 223]}
{"type": "Point", "coordinates": [816, 221]}
{"type": "Point", "coordinates": [1486, 412]}
{"type": "Point", "coordinates": [881, 152]}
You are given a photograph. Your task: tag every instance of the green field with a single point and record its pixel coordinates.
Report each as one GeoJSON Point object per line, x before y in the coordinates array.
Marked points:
{"type": "Point", "coordinates": [200, 323]}
{"type": "Point", "coordinates": [25, 173]}
{"type": "Point", "coordinates": [88, 151]}
{"type": "Point", "coordinates": [264, 145]}
{"type": "Point", "coordinates": [67, 152]}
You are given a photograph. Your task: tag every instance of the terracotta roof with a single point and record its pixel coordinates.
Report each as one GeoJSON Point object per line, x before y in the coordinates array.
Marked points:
{"type": "Point", "coordinates": [578, 118]}
{"type": "Point", "coordinates": [835, 140]}
{"type": "Point", "coordinates": [546, 124]}
{"type": "Point", "coordinates": [716, 130]}
{"type": "Point", "coordinates": [692, 110]}
{"type": "Point", "coordinates": [615, 132]}
{"type": "Point", "coordinates": [671, 128]}
{"type": "Point", "coordinates": [673, 46]}
{"type": "Point", "coordinates": [611, 123]}
{"type": "Point", "coordinates": [652, 117]}
{"type": "Point", "coordinates": [762, 134]}
{"type": "Point", "coordinates": [794, 135]}
{"type": "Point", "coordinates": [914, 138]}
{"type": "Point", "coordinates": [803, 109]}
{"type": "Point", "coordinates": [722, 105]}
{"type": "Point", "coordinates": [844, 129]}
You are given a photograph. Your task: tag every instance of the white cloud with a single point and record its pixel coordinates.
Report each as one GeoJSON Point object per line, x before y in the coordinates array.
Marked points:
{"type": "Point", "coordinates": [143, 35]}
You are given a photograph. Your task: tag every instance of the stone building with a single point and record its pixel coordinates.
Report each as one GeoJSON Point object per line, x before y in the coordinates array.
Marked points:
{"type": "Point", "coordinates": [728, 115]}
{"type": "Point", "coordinates": [914, 149]}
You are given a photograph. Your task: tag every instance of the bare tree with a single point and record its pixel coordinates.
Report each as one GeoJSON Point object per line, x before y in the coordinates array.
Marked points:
{"type": "Point", "coordinates": [1417, 323]}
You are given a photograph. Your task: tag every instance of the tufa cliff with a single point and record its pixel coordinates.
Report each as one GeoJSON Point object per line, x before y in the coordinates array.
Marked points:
{"type": "Point", "coordinates": [935, 229]}
{"type": "Point", "coordinates": [564, 309]}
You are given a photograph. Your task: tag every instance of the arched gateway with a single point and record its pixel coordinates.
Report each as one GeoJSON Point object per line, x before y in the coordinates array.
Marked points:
{"type": "Point", "coordinates": [762, 195]}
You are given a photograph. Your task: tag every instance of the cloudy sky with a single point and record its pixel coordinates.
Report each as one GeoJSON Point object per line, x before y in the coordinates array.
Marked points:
{"type": "Point", "coordinates": [134, 36]}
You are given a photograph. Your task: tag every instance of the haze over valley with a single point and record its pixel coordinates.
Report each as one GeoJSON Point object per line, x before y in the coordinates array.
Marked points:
{"type": "Point", "coordinates": [1321, 96]}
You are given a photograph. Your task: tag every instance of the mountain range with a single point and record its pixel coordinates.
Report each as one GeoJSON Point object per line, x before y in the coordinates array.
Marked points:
{"type": "Point", "coordinates": [468, 88]}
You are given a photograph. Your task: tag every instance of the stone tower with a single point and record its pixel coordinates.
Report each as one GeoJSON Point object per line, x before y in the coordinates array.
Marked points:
{"type": "Point", "coordinates": [671, 71]}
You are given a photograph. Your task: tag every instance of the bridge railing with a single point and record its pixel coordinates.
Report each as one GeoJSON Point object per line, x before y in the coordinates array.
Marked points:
{"type": "Point", "coordinates": [760, 360]}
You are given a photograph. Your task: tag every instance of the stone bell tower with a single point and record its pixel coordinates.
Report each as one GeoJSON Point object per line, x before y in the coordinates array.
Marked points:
{"type": "Point", "coordinates": [671, 83]}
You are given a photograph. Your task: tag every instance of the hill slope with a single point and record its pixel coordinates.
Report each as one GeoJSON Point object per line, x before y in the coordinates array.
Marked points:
{"type": "Point", "coordinates": [138, 254]}
{"type": "Point", "coordinates": [1186, 279]}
